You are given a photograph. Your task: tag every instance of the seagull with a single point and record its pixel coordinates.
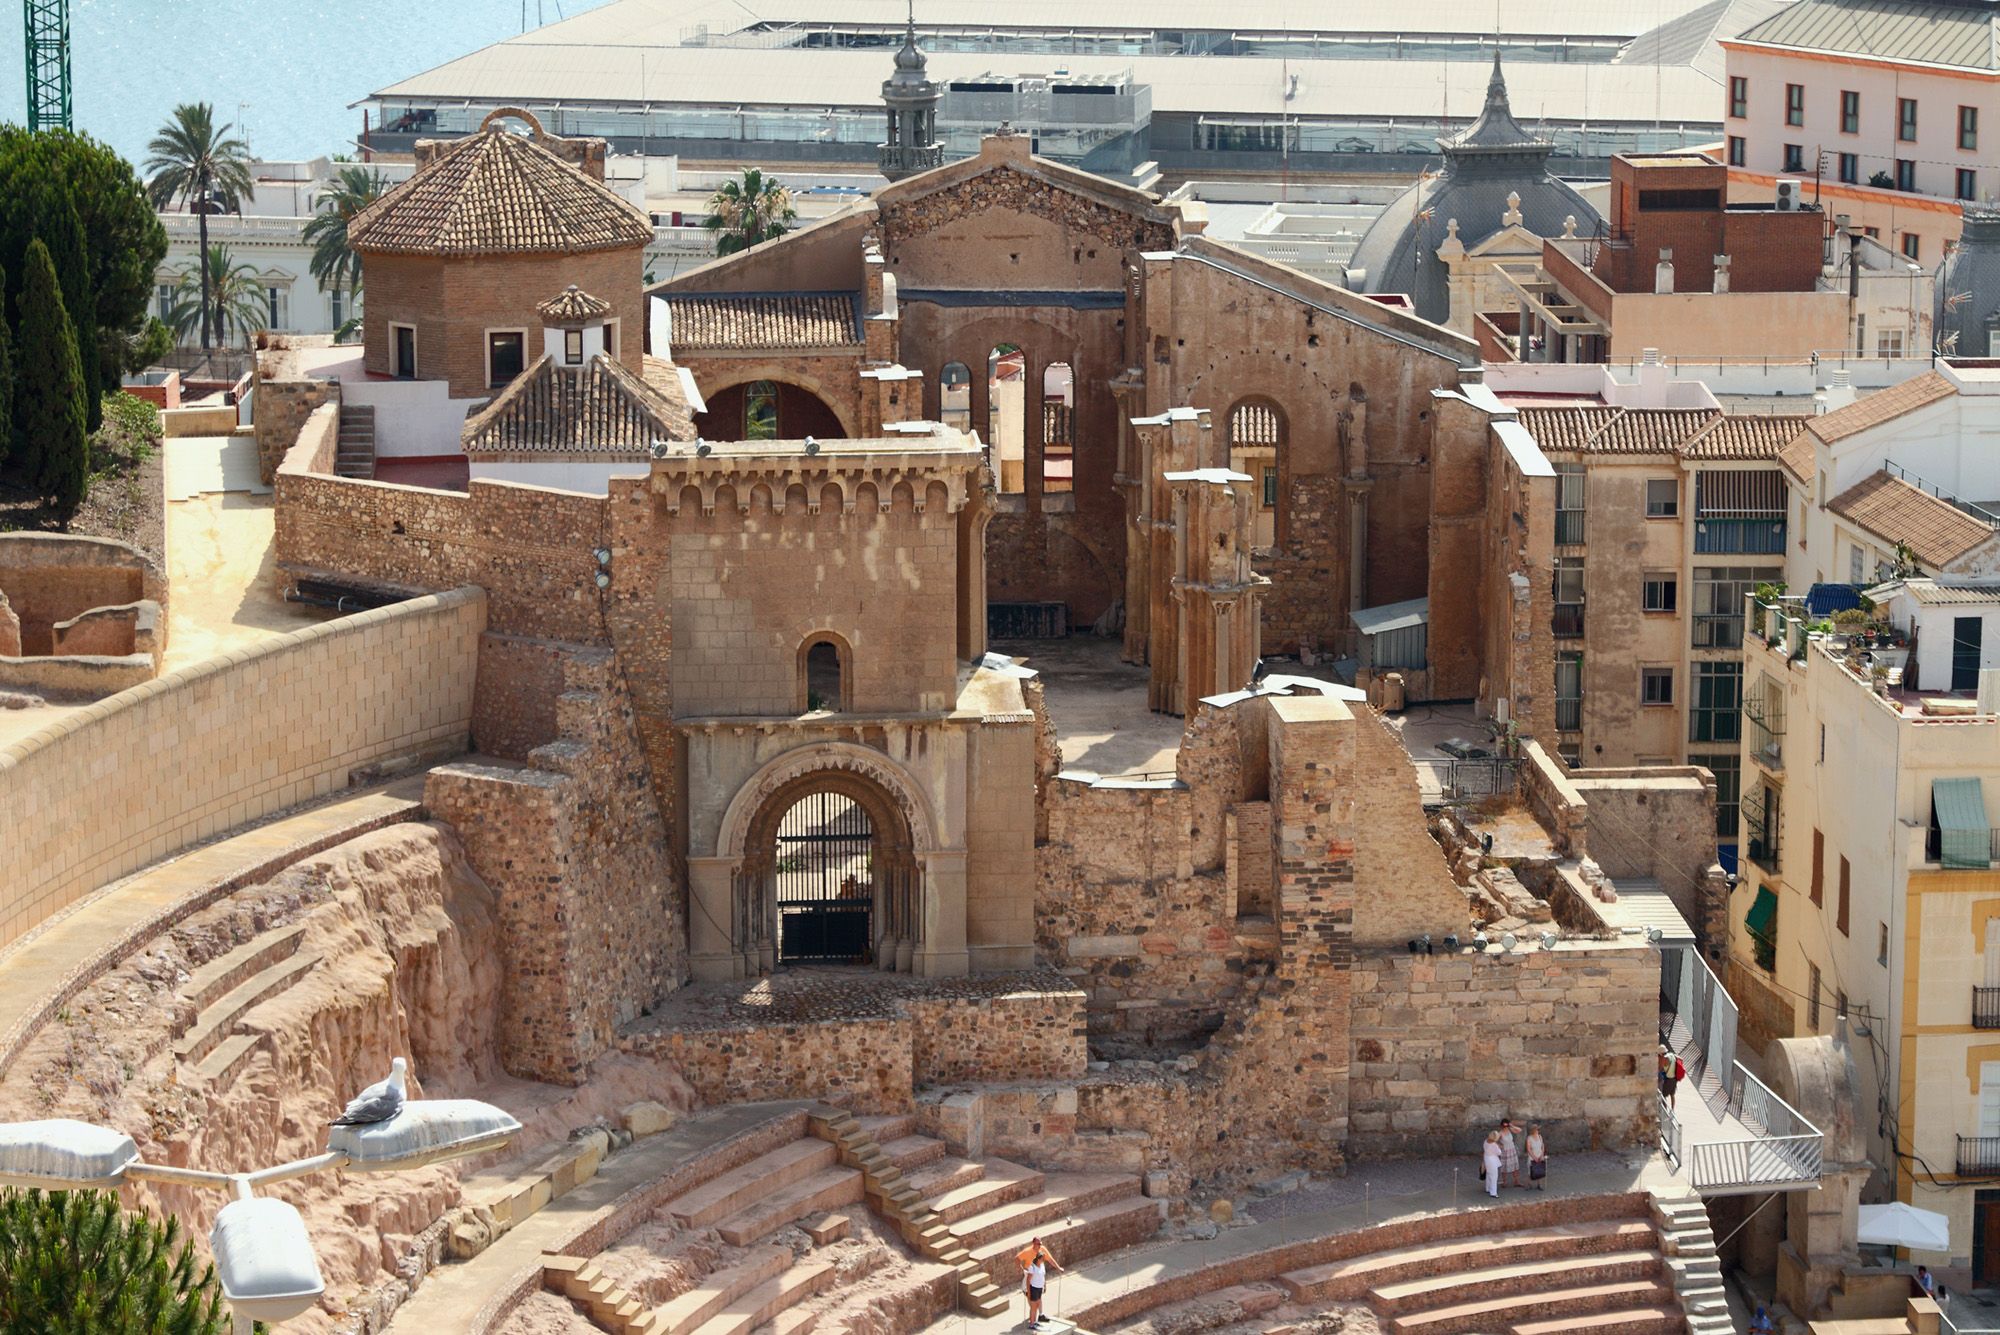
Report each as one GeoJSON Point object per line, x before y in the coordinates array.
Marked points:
{"type": "Point", "coordinates": [377, 1103]}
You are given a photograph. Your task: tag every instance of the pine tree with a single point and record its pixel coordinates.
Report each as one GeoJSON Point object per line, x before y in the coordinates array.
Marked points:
{"type": "Point", "coordinates": [53, 447]}
{"type": "Point", "coordinates": [58, 226]}
{"type": "Point", "coordinates": [72, 1263]}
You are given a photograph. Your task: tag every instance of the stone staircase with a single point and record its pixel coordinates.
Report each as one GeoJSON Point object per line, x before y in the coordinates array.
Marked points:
{"type": "Point", "coordinates": [354, 451]}
{"type": "Point", "coordinates": [216, 1041]}
{"type": "Point", "coordinates": [976, 1215]}
{"type": "Point", "coordinates": [1692, 1262]}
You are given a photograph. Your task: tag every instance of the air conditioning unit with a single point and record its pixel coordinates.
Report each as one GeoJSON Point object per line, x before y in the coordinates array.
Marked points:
{"type": "Point", "coordinates": [1791, 194]}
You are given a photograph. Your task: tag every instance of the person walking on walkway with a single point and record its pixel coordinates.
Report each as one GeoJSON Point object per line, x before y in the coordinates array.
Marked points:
{"type": "Point", "coordinates": [1490, 1160]}
{"type": "Point", "coordinates": [1672, 1071]}
{"type": "Point", "coordinates": [1510, 1153]}
{"type": "Point", "coordinates": [1538, 1156]}
{"type": "Point", "coordinates": [1035, 1260]}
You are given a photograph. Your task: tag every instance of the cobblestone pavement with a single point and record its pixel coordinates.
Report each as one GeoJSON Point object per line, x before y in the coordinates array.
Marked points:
{"type": "Point", "coordinates": [811, 995]}
{"type": "Point", "coordinates": [1388, 1180]}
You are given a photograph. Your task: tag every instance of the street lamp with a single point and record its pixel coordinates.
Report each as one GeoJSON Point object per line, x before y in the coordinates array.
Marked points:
{"type": "Point", "coordinates": [263, 1255]}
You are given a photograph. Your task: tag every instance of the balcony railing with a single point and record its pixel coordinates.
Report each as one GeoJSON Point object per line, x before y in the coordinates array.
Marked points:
{"type": "Point", "coordinates": [1986, 1008]}
{"type": "Point", "coordinates": [1760, 840]}
{"type": "Point", "coordinates": [1979, 1156]}
{"type": "Point", "coordinates": [1716, 631]}
{"type": "Point", "coordinates": [1569, 621]}
{"type": "Point", "coordinates": [1751, 537]}
{"type": "Point", "coordinates": [1569, 715]}
{"type": "Point", "coordinates": [1767, 731]}
{"type": "Point", "coordinates": [1782, 1147]}
{"type": "Point", "coordinates": [1934, 847]}
{"type": "Point", "coordinates": [1569, 528]}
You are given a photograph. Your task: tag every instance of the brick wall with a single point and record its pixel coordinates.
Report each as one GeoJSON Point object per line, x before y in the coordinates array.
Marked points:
{"type": "Point", "coordinates": [453, 303]}
{"type": "Point", "coordinates": [204, 749]}
{"type": "Point", "coordinates": [51, 577]}
{"type": "Point", "coordinates": [1445, 1046]}
{"type": "Point", "coordinates": [528, 547]}
{"type": "Point", "coordinates": [575, 850]}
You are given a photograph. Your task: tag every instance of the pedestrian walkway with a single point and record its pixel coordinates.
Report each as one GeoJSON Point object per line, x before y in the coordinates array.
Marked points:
{"type": "Point", "coordinates": [43, 969]}
{"type": "Point", "coordinates": [1075, 1291]}
{"type": "Point", "coordinates": [459, 1295]}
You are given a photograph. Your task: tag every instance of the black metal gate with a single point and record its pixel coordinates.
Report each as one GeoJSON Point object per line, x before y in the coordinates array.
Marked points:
{"type": "Point", "coordinates": [825, 888]}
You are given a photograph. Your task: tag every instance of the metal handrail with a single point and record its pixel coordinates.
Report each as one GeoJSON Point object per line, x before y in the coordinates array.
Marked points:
{"type": "Point", "coordinates": [1670, 1133]}
{"type": "Point", "coordinates": [1790, 1149]}
{"type": "Point", "coordinates": [1986, 1007]}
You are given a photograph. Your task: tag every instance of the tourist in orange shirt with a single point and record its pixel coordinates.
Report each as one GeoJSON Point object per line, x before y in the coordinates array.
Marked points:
{"type": "Point", "coordinates": [1035, 1259]}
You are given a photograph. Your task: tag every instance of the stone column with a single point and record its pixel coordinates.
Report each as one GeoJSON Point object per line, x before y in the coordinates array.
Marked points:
{"type": "Point", "coordinates": [940, 949]}
{"type": "Point", "coordinates": [712, 915]}
{"type": "Point", "coordinates": [1357, 542]}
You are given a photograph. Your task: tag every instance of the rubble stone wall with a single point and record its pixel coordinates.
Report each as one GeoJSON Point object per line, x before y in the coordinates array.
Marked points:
{"type": "Point", "coordinates": [207, 748]}
{"type": "Point", "coordinates": [53, 577]}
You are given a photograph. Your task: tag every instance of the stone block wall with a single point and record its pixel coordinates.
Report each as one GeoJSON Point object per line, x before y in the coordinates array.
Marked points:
{"type": "Point", "coordinates": [186, 756]}
{"type": "Point", "coordinates": [1036, 1036]}
{"type": "Point", "coordinates": [1555, 801]}
{"type": "Point", "coordinates": [52, 577]}
{"type": "Point", "coordinates": [588, 896]}
{"type": "Point", "coordinates": [1660, 823]}
{"type": "Point", "coordinates": [1445, 1046]}
{"type": "Point", "coordinates": [515, 693]}
{"type": "Point", "coordinates": [528, 547]}
{"type": "Point", "coordinates": [282, 408]}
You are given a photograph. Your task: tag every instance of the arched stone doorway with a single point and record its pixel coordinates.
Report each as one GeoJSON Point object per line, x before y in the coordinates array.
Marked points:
{"type": "Point", "coordinates": [828, 857]}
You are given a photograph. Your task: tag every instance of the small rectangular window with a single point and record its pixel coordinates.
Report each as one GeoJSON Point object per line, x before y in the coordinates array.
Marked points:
{"type": "Point", "coordinates": [1663, 497]}
{"type": "Point", "coordinates": [1968, 183]}
{"type": "Point", "coordinates": [1856, 569]}
{"type": "Point", "coordinates": [1850, 112]}
{"type": "Point", "coordinates": [1795, 158]}
{"type": "Point", "coordinates": [504, 357]}
{"type": "Point", "coordinates": [1660, 594]}
{"type": "Point", "coordinates": [1906, 119]}
{"type": "Point", "coordinates": [1850, 168]}
{"type": "Point", "coordinates": [1736, 154]}
{"type": "Point", "coordinates": [1812, 997]}
{"type": "Point", "coordinates": [1840, 1004]}
{"type": "Point", "coordinates": [1795, 104]}
{"type": "Point", "coordinates": [1913, 247]}
{"type": "Point", "coordinates": [1888, 343]}
{"type": "Point", "coordinates": [1968, 127]}
{"type": "Point", "coordinates": [1739, 96]}
{"type": "Point", "coordinates": [1840, 906]}
{"type": "Point", "coordinates": [572, 347]}
{"type": "Point", "coordinates": [1270, 489]}
{"type": "Point", "coordinates": [1656, 686]}
{"type": "Point", "coordinates": [1819, 869]}
{"type": "Point", "coordinates": [1906, 174]}
{"type": "Point", "coordinates": [1882, 944]}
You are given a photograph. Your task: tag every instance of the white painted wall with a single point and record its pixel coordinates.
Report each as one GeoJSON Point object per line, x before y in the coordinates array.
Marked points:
{"type": "Point", "coordinates": [413, 418]}
{"type": "Point", "coordinates": [590, 478]}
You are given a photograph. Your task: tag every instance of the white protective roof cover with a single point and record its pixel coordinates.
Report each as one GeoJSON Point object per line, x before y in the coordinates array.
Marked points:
{"type": "Point", "coordinates": [427, 1131]}
{"type": "Point", "coordinates": [1393, 616]}
{"type": "Point", "coordinates": [63, 1154]}
{"type": "Point", "coordinates": [265, 1260]}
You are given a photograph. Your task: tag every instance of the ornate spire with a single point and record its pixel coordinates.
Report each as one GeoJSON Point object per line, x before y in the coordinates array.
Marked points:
{"type": "Point", "coordinates": [1496, 130]}
{"type": "Point", "coordinates": [911, 99]}
{"type": "Point", "coordinates": [910, 57]}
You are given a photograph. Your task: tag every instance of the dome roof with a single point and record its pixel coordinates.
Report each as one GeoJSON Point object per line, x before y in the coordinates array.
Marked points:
{"type": "Point", "coordinates": [1491, 159]}
{"type": "Point", "coordinates": [1968, 287]}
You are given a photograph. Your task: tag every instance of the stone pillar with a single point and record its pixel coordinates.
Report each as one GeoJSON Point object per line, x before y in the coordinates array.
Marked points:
{"type": "Point", "coordinates": [1357, 542]}
{"type": "Point", "coordinates": [1217, 597]}
{"type": "Point", "coordinates": [940, 949]}
{"type": "Point", "coordinates": [712, 913]}
{"type": "Point", "coordinates": [973, 519]}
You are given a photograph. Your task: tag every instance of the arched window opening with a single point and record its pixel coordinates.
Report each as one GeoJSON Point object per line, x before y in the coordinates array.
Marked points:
{"type": "Point", "coordinates": [1256, 448]}
{"type": "Point", "coordinates": [760, 411]}
{"type": "Point", "coordinates": [955, 396]}
{"type": "Point", "coordinates": [823, 677]}
{"type": "Point", "coordinates": [1058, 427]}
{"type": "Point", "coordinates": [1006, 415]}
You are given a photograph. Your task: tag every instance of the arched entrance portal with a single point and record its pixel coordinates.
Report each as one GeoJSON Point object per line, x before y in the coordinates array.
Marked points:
{"type": "Point", "coordinates": [829, 875]}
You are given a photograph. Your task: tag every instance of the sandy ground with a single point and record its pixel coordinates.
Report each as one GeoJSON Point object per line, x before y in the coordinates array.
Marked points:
{"type": "Point", "coordinates": [219, 553]}
{"type": "Point", "coordinates": [1098, 702]}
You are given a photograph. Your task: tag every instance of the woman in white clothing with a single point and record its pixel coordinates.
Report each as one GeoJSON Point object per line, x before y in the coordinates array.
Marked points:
{"type": "Point", "coordinates": [1491, 1158]}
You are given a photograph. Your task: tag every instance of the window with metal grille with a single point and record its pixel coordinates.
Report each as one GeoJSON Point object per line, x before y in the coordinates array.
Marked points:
{"type": "Point", "coordinates": [1569, 692]}
{"type": "Point", "coordinates": [1572, 485]}
{"type": "Point", "coordinates": [1812, 997]}
{"type": "Point", "coordinates": [1718, 604]}
{"type": "Point", "coordinates": [1727, 767]}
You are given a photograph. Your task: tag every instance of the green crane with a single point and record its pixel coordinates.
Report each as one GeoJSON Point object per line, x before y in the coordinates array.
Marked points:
{"type": "Point", "coordinates": [48, 63]}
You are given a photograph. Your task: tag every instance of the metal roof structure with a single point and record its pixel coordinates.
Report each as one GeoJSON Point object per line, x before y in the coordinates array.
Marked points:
{"type": "Point", "coordinates": [1960, 34]}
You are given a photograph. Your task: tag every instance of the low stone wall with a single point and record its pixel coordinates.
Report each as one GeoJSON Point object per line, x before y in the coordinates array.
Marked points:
{"type": "Point", "coordinates": [126, 628]}
{"type": "Point", "coordinates": [1022, 1036]}
{"type": "Point", "coordinates": [52, 577]}
{"type": "Point", "coordinates": [131, 779]}
{"type": "Point", "coordinates": [70, 677]}
{"type": "Point", "coordinates": [529, 547]}
{"type": "Point", "coordinates": [202, 421]}
{"type": "Point", "coordinates": [1555, 801]}
{"type": "Point", "coordinates": [1445, 1046]}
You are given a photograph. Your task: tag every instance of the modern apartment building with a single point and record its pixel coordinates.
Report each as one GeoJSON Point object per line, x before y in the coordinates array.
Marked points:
{"type": "Point", "coordinates": [1888, 113]}
{"type": "Point", "coordinates": [1669, 511]}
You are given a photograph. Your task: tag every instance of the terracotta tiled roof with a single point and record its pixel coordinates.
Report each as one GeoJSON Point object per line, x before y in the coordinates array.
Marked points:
{"type": "Point", "coordinates": [1797, 457]}
{"type": "Point", "coordinates": [733, 320]}
{"type": "Point", "coordinates": [1936, 532]}
{"type": "Point", "coordinates": [1566, 428]}
{"type": "Point", "coordinates": [498, 193]}
{"type": "Point", "coordinates": [1596, 429]}
{"type": "Point", "coordinates": [573, 305]}
{"type": "Point", "coordinates": [599, 409]}
{"type": "Point", "coordinates": [1746, 436]}
{"type": "Point", "coordinates": [1882, 406]}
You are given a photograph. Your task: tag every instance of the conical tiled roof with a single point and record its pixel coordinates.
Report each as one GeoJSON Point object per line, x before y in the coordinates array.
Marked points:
{"type": "Point", "coordinates": [573, 305]}
{"type": "Point", "coordinates": [498, 193]}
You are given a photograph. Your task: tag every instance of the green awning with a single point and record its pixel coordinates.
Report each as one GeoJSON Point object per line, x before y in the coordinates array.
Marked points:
{"type": "Point", "coordinates": [1959, 808]}
{"type": "Point", "coordinates": [1762, 920]}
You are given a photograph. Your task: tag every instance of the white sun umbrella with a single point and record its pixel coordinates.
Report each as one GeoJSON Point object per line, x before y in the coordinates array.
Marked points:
{"type": "Point", "coordinates": [1900, 1225]}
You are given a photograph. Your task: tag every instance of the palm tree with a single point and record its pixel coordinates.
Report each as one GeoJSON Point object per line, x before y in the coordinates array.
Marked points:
{"type": "Point", "coordinates": [222, 293]}
{"type": "Point", "coordinates": [204, 168]}
{"type": "Point", "coordinates": [71, 1263]}
{"type": "Point", "coordinates": [743, 213]}
{"type": "Point", "coordinates": [333, 263]}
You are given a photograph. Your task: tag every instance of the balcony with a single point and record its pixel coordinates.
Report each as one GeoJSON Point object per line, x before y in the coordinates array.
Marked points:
{"type": "Point", "coordinates": [1569, 621]}
{"type": "Point", "coordinates": [1740, 537]}
{"type": "Point", "coordinates": [1979, 1156]}
{"type": "Point", "coordinates": [1760, 830]}
{"type": "Point", "coordinates": [1569, 715]}
{"type": "Point", "coordinates": [1767, 730]}
{"type": "Point", "coordinates": [1569, 528]}
{"type": "Point", "coordinates": [1934, 848]}
{"type": "Point", "coordinates": [1717, 631]}
{"type": "Point", "coordinates": [1986, 1008]}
